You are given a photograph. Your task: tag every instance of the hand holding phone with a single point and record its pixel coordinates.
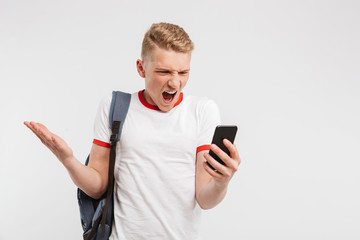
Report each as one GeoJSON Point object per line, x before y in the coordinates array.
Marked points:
{"type": "Point", "coordinates": [222, 132]}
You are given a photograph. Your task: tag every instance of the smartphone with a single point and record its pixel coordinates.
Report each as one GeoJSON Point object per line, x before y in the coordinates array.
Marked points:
{"type": "Point", "coordinates": [221, 132]}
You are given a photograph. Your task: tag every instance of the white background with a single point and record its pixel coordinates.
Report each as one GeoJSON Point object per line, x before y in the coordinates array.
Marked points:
{"type": "Point", "coordinates": [286, 72]}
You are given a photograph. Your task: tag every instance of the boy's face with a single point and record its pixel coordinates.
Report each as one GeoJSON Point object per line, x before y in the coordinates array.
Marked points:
{"type": "Point", "coordinates": [166, 74]}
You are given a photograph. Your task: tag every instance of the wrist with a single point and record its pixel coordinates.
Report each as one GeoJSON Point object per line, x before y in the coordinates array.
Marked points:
{"type": "Point", "coordinates": [68, 162]}
{"type": "Point", "coordinates": [220, 185]}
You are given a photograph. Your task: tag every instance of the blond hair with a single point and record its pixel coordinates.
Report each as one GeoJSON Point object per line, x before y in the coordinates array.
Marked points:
{"type": "Point", "coordinates": [166, 36]}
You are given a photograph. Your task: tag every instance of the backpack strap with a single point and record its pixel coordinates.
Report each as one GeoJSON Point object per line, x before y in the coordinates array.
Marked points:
{"type": "Point", "coordinates": [119, 107]}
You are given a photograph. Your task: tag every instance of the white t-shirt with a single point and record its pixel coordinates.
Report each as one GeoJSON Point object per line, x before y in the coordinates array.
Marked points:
{"type": "Point", "coordinates": [154, 196]}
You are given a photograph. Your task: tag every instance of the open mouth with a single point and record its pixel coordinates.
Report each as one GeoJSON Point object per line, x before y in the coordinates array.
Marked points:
{"type": "Point", "coordinates": [168, 96]}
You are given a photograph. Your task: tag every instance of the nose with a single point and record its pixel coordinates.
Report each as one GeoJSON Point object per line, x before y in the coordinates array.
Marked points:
{"type": "Point", "coordinates": [174, 82]}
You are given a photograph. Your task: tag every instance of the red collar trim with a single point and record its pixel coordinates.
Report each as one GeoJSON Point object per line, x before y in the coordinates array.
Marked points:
{"type": "Point", "coordinates": [146, 104]}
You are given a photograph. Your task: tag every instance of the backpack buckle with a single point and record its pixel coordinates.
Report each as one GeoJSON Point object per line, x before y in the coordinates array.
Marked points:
{"type": "Point", "coordinates": [113, 139]}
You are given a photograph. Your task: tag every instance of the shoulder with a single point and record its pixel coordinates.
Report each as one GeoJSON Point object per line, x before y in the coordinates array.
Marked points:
{"type": "Point", "coordinates": [106, 100]}
{"type": "Point", "coordinates": [200, 103]}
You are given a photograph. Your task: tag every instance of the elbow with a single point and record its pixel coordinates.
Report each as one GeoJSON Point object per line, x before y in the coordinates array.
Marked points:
{"type": "Point", "coordinates": [95, 193]}
{"type": "Point", "coordinates": [204, 205]}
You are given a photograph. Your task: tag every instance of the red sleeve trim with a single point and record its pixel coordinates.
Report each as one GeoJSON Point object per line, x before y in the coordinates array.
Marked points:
{"type": "Point", "coordinates": [101, 143]}
{"type": "Point", "coordinates": [202, 148]}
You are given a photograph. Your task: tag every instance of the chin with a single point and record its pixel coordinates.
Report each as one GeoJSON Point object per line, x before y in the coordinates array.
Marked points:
{"type": "Point", "coordinates": [165, 108]}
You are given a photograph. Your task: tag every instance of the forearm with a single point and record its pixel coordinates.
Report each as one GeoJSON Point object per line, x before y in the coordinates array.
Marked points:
{"type": "Point", "coordinates": [211, 195]}
{"type": "Point", "coordinates": [86, 178]}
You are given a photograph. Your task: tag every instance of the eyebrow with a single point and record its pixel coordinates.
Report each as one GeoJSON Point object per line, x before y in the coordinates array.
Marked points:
{"type": "Point", "coordinates": [166, 69]}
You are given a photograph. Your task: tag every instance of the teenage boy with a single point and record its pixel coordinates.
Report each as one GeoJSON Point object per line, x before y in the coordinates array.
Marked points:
{"type": "Point", "coordinates": [161, 175]}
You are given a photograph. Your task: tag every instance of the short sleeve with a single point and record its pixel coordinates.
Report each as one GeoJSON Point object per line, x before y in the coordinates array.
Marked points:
{"type": "Point", "coordinates": [102, 131]}
{"type": "Point", "coordinates": [209, 118]}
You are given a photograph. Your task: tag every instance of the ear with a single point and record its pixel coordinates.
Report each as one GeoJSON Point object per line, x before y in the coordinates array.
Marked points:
{"type": "Point", "coordinates": [140, 68]}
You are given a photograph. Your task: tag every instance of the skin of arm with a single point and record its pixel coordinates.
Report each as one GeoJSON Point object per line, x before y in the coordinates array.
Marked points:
{"type": "Point", "coordinates": [92, 179]}
{"type": "Point", "coordinates": [211, 185]}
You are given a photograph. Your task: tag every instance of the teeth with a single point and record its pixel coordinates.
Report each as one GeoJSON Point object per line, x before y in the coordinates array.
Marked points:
{"type": "Point", "coordinates": [173, 92]}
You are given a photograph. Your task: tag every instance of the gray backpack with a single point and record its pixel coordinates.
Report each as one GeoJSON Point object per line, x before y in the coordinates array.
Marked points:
{"type": "Point", "coordinates": [97, 215]}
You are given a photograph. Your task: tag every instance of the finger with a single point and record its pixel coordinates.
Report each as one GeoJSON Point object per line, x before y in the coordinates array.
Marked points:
{"type": "Point", "coordinates": [32, 128]}
{"type": "Point", "coordinates": [237, 155]}
{"type": "Point", "coordinates": [58, 143]}
{"type": "Point", "coordinates": [234, 154]}
{"type": "Point", "coordinates": [224, 157]}
{"type": "Point", "coordinates": [29, 126]}
{"type": "Point", "coordinates": [222, 169]}
{"type": "Point", "coordinates": [43, 127]}
{"type": "Point", "coordinates": [42, 131]}
{"type": "Point", "coordinates": [36, 130]}
{"type": "Point", "coordinates": [211, 172]}
{"type": "Point", "coordinates": [44, 134]}
{"type": "Point", "coordinates": [39, 128]}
